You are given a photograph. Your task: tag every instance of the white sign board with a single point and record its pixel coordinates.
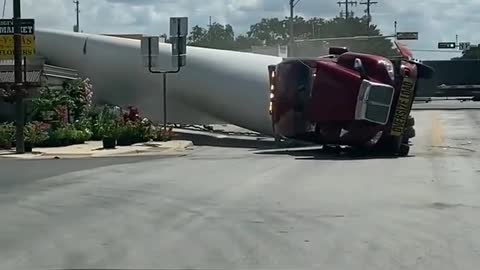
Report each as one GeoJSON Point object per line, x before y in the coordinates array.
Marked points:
{"type": "Point", "coordinates": [407, 35]}
{"type": "Point", "coordinates": [178, 26]}
{"type": "Point", "coordinates": [150, 49]}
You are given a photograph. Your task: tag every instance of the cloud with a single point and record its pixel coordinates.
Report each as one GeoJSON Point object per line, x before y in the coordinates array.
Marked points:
{"type": "Point", "coordinates": [435, 20]}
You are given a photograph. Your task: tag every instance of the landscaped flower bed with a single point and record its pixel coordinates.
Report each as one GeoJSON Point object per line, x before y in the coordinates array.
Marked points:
{"type": "Point", "coordinates": [63, 117]}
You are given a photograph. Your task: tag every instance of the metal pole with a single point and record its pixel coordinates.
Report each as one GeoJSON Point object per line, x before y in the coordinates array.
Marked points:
{"type": "Point", "coordinates": [77, 11]}
{"type": "Point", "coordinates": [346, 10]}
{"type": "Point", "coordinates": [165, 101]}
{"type": "Point", "coordinates": [78, 16]}
{"type": "Point", "coordinates": [19, 110]}
{"type": "Point", "coordinates": [291, 31]}
{"type": "Point", "coordinates": [395, 27]}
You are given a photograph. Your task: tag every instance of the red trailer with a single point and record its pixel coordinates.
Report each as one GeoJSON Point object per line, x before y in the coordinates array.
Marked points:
{"type": "Point", "coordinates": [347, 98]}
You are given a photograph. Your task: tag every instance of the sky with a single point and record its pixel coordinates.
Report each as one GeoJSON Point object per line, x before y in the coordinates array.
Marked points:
{"type": "Point", "coordinates": [435, 20]}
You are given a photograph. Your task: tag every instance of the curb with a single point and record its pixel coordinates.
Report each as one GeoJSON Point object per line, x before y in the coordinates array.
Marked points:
{"type": "Point", "coordinates": [152, 149]}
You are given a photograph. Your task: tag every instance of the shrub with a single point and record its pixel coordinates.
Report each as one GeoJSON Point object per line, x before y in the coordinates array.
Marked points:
{"type": "Point", "coordinates": [7, 134]}
{"type": "Point", "coordinates": [73, 99]}
{"type": "Point", "coordinates": [160, 135]}
{"type": "Point", "coordinates": [36, 133]}
{"type": "Point", "coordinates": [128, 134]}
{"type": "Point", "coordinates": [108, 129]}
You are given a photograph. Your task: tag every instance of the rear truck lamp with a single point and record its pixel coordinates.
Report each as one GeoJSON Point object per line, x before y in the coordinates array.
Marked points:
{"type": "Point", "coordinates": [272, 79]}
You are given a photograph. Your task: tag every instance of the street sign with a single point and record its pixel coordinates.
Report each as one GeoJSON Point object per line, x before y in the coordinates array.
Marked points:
{"type": "Point", "coordinates": [447, 45]}
{"type": "Point", "coordinates": [178, 38]}
{"type": "Point", "coordinates": [179, 51]}
{"type": "Point", "coordinates": [7, 41]}
{"type": "Point", "coordinates": [407, 35]}
{"type": "Point", "coordinates": [178, 26]}
{"type": "Point", "coordinates": [464, 46]}
{"type": "Point", "coordinates": [150, 49]}
{"type": "Point", "coordinates": [179, 45]}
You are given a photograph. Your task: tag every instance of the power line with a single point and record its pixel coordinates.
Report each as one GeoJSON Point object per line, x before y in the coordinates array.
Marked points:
{"type": "Point", "coordinates": [347, 3]}
{"type": "Point", "coordinates": [368, 3]}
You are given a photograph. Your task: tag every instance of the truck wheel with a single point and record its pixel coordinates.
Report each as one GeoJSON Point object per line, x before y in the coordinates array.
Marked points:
{"type": "Point", "coordinates": [404, 150]}
{"type": "Point", "coordinates": [278, 141]}
{"type": "Point", "coordinates": [409, 133]}
{"type": "Point", "coordinates": [410, 121]}
{"type": "Point", "coordinates": [389, 145]}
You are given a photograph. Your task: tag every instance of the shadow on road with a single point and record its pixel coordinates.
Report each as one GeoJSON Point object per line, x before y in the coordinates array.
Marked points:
{"type": "Point", "coordinates": [212, 139]}
{"type": "Point", "coordinates": [267, 146]}
{"type": "Point", "coordinates": [326, 154]}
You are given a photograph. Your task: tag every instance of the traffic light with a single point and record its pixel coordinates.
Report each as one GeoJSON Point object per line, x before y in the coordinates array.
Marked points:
{"type": "Point", "coordinates": [447, 45]}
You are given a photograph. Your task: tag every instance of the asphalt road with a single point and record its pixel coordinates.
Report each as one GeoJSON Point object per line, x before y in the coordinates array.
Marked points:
{"type": "Point", "coordinates": [240, 207]}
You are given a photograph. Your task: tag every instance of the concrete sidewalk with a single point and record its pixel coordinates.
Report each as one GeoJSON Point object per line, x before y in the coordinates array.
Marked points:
{"type": "Point", "coordinates": [94, 149]}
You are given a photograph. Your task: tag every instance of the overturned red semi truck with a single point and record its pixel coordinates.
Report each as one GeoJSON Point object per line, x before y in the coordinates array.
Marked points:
{"type": "Point", "coordinates": [347, 98]}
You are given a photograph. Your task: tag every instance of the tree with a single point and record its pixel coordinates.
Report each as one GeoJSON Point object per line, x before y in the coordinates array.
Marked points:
{"type": "Point", "coordinates": [244, 42]}
{"type": "Point", "coordinates": [197, 36]}
{"type": "Point", "coordinates": [269, 31]}
{"type": "Point", "coordinates": [274, 31]}
{"type": "Point", "coordinates": [340, 27]}
{"type": "Point", "coordinates": [217, 36]}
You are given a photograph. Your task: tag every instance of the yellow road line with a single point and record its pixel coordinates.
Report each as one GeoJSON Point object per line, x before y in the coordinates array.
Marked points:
{"type": "Point", "coordinates": [437, 130]}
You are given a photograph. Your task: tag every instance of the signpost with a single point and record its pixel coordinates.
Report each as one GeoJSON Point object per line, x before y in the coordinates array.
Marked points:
{"type": "Point", "coordinates": [150, 51]}
{"type": "Point", "coordinates": [407, 35]}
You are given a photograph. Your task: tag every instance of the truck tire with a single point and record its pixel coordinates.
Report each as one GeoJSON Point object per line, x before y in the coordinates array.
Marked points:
{"type": "Point", "coordinates": [410, 122]}
{"type": "Point", "coordinates": [404, 150]}
{"type": "Point", "coordinates": [409, 133]}
{"type": "Point", "coordinates": [390, 145]}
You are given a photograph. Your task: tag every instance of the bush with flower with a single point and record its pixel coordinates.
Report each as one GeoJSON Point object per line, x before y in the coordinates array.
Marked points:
{"type": "Point", "coordinates": [66, 115]}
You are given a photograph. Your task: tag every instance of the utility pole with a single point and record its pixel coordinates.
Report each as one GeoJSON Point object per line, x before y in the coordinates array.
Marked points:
{"type": "Point", "coordinates": [290, 25]}
{"type": "Point", "coordinates": [77, 10]}
{"type": "Point", "coordinates": [19, 110]}
{"type": "Point", "coordinates": [368, 3]}
{"type": "Point", "coordinates": [291, 31]}
{"type": "Point", "coordinates": [347, 3]}
{"type": "Point", "coordinates": [395, 28]}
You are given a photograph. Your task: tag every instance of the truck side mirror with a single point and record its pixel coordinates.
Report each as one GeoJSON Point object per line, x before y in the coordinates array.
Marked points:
{"type": "Point", "coordinates": [358, 66]}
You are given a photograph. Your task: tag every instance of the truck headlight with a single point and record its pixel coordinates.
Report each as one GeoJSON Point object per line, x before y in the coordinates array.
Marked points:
{"type": "Point", "coordinates": [389, 67]}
